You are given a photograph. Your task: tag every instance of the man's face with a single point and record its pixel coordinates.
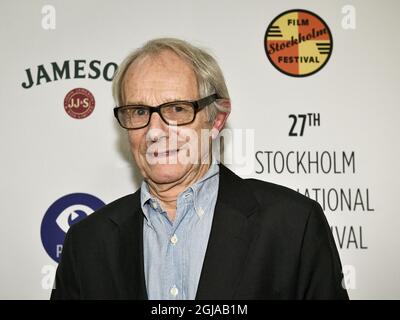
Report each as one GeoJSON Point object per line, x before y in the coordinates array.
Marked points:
{"type": "Point", "coordinates": [161, 151]}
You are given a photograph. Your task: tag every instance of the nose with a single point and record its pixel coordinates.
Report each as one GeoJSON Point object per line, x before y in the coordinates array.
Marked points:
{"type": "Point", "coordinates": [156, 129]}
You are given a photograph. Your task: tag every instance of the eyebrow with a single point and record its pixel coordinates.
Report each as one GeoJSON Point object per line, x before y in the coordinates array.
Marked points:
{"type": "Point", "coordinates": [141, 102]}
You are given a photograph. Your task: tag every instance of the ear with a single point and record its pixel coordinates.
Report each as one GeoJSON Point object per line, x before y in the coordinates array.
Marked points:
{"type": "Point", "coordinates": [221, 117]}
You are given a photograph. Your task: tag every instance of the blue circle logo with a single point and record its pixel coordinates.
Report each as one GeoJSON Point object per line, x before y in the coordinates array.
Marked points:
{"type": "Point", "coordinates": [62, 214]}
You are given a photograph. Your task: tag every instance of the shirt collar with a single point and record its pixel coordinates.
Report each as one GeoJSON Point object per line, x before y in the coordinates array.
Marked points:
{"type": "Point", "coordinates": [203, 188]}
{"type": "Point", "coordinates": [200, 190]}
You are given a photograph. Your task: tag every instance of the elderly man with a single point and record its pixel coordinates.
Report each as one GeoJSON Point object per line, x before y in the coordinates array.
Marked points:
{"type": "Point", "coordinates": [194, 230]}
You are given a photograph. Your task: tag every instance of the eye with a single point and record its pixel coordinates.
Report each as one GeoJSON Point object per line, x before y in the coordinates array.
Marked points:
{"type": "Point", "coordinates": [140, 112]}
{"type": "Point", "coordinates": [71, 215]}
{"type": "Point", "coordinates": [178, 108]}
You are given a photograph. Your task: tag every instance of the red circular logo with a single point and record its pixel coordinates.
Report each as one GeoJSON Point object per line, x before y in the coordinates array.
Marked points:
{"type": "Point", "coordinates": [79, 103]}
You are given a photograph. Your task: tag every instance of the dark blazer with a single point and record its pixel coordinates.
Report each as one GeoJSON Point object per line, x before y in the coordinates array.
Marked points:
{"type": "Point", "coordinates": [266, 242]}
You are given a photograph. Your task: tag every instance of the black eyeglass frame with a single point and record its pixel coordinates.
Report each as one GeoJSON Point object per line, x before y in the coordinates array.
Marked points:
{"type": "Point", "coordinates": [197, 106]}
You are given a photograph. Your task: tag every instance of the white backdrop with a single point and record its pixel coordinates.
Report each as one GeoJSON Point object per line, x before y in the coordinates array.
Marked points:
{"type": "Point", "coordinates": [46, 154]}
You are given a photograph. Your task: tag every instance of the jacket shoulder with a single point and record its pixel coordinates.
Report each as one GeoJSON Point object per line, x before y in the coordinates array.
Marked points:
{"type": "Point", "coordinates": [264, 190]}
{"type": "Point", "coordinates": [274, 200]}
{"type": "Point", "coordinates": [282, 201]}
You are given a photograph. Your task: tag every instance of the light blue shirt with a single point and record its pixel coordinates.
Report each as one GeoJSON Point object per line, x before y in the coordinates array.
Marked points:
{"type": "Point", "coordinates": [174, 250]}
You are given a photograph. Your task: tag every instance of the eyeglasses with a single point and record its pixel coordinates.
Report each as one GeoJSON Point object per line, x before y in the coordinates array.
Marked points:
{"type": "Point", "coordinates": [175, 113]}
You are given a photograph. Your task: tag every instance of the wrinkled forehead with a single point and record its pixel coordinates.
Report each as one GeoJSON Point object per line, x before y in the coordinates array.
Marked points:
{"type": "Point", "coordinates": [159, 78]}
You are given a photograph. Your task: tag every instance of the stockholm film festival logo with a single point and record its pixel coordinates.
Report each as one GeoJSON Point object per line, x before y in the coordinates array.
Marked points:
{"type": "Point", "coordinates": [298, 43]}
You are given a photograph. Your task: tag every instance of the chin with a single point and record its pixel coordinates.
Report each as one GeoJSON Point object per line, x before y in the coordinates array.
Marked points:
{"type": "Point", "coordinates": [167, 173]}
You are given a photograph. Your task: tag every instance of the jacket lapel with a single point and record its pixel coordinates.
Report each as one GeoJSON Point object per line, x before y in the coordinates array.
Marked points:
{"type": "Point", "coordinates": [129, 220]}
{"type": "Point", "coordinates": [231, 234]}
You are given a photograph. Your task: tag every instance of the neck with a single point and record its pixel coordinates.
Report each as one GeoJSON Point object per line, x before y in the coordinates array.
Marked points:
{"type": "Point", "coordinates": [168, 193]}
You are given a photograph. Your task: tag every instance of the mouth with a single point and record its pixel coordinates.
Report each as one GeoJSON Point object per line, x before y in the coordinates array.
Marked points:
{"type": "Point", "coordinates": [160, 154]}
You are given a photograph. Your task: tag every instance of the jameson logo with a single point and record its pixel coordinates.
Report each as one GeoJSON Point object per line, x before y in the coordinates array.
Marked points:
{"type": "Point", "coordinates": [69, 69]}
{"type": "Point", "coordinates": [79, 103]}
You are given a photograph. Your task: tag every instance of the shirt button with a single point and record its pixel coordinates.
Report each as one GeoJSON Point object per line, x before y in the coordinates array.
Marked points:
{"type": "Point", "coordinates": [174, 239]}
{"type": "Point", "coordinates": [174, 291]}
{"type": "Point", "coordinates": [200, 211]}
{"type": "Point", "coordinates": [154, 204]}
